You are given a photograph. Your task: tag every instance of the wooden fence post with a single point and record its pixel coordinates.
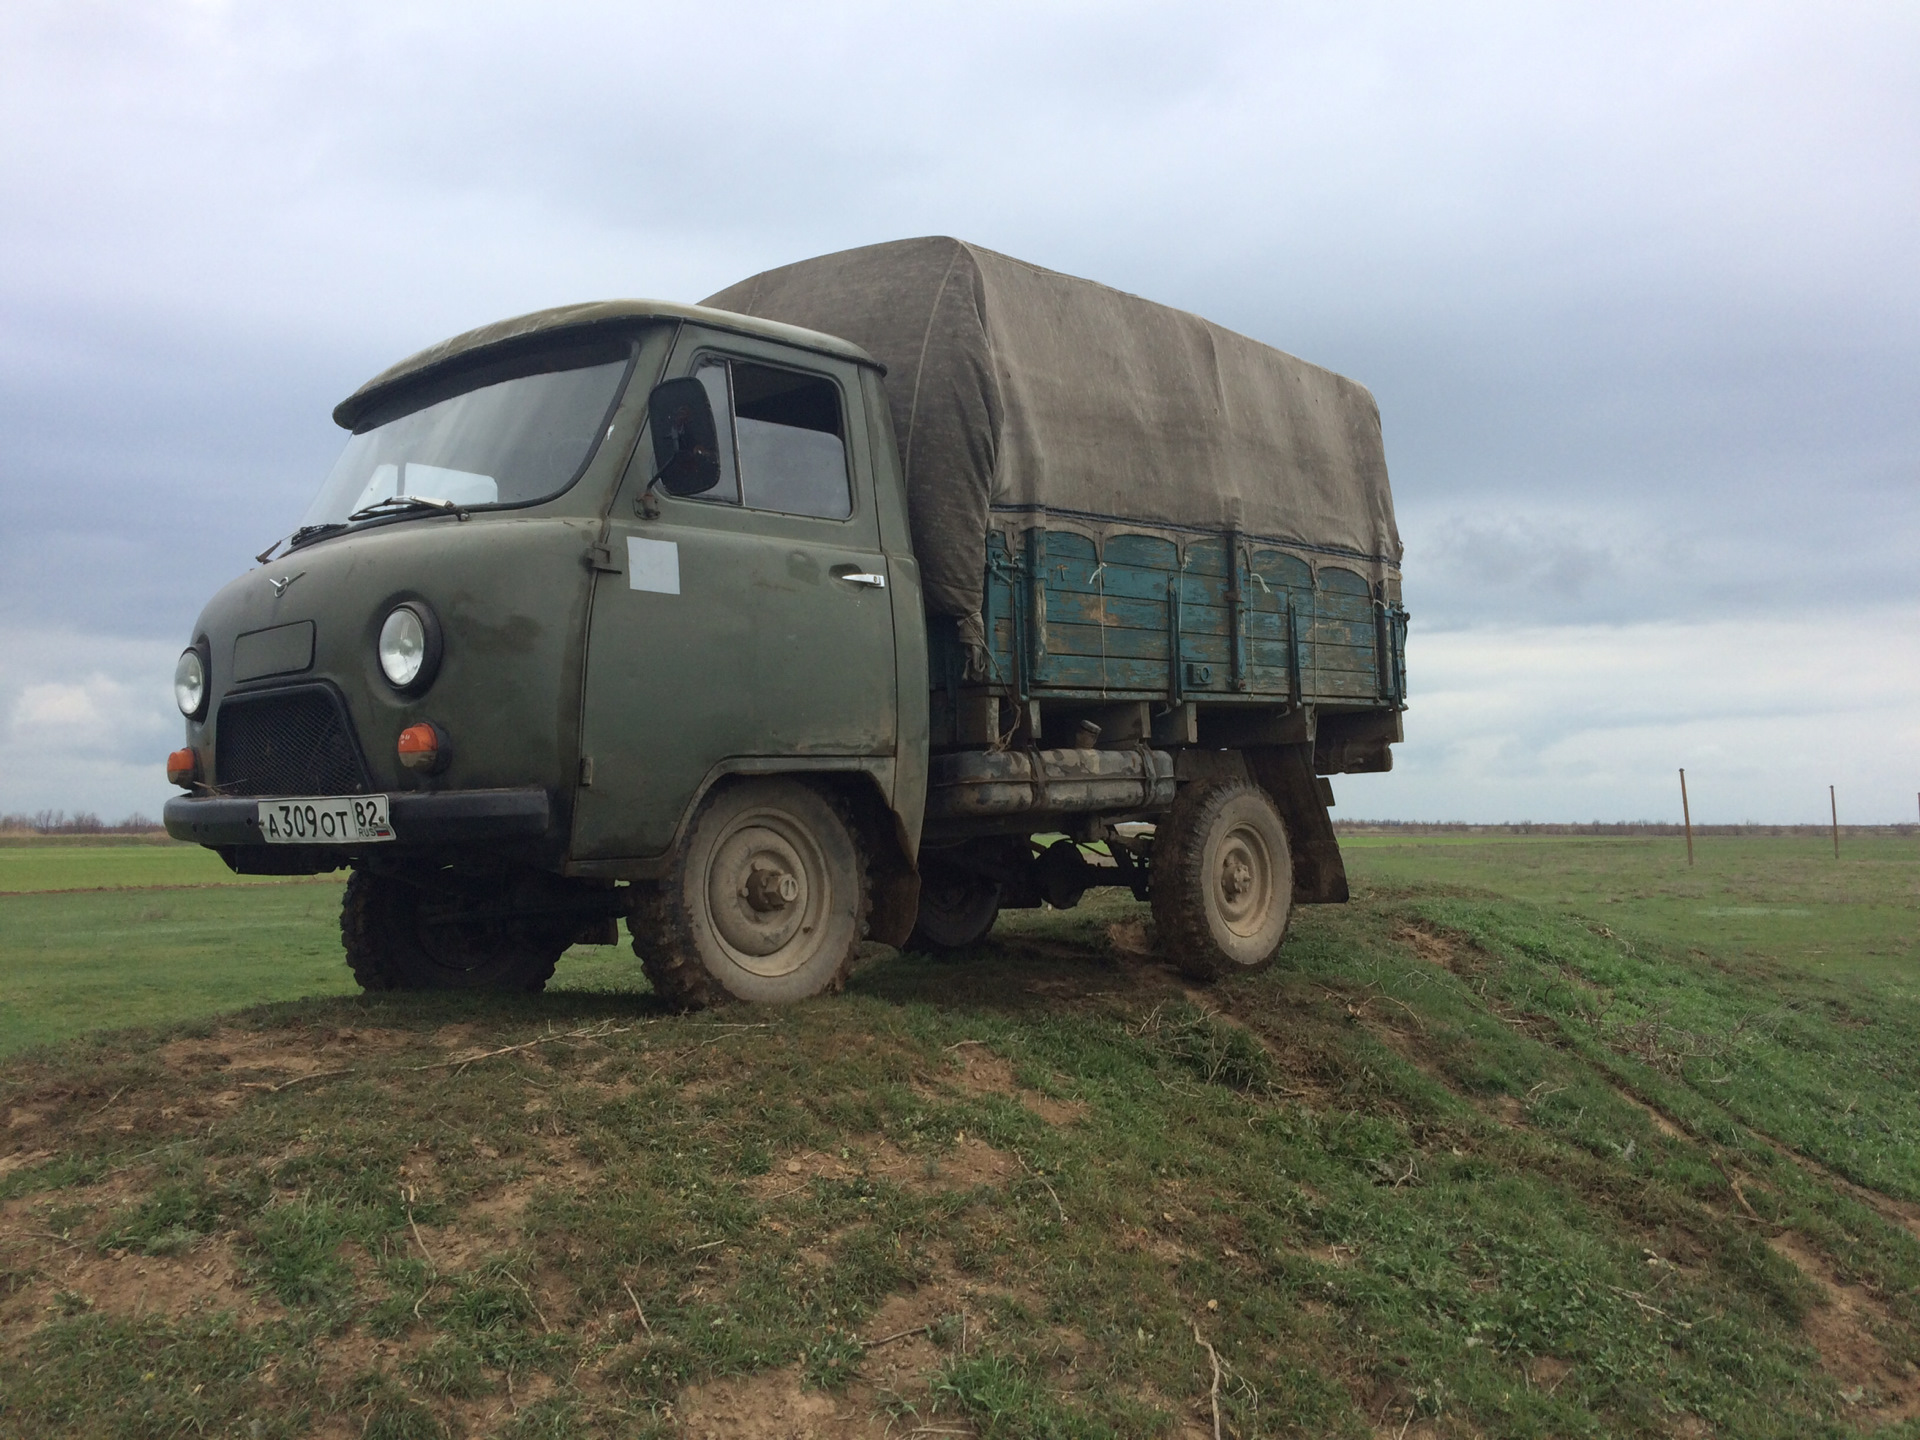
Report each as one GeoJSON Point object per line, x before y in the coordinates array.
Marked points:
{"type": "Point", "coordinates": [1835, 806]}
{"type": "Point", "coordinates": [1686, 814]}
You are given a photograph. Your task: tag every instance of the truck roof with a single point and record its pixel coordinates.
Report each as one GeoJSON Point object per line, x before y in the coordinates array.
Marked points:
{"type": "Point", "coordinates": [563, 319]}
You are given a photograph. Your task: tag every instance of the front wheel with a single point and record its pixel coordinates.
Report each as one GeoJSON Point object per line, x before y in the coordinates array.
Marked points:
{"type": "Point", "coordinates": [430, 934]}
{"type": "Point", "coordinates": [766, 900]}
{"type": "Point", "coordinates": [1222, 880]}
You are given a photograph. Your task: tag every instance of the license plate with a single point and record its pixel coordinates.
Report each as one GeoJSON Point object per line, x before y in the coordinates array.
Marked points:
{"type": "Point", "coordinates": [330, 820]}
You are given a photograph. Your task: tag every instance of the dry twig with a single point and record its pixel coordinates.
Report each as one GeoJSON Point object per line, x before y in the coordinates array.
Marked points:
{"type": "Point", "coordinates": [586, 1032]}
{"type": "Point", "coordinates": [407, 1201]}
{"type": "Point", "coordinates": [544, 1327]}
{"type": "Point", "coordinates": [1641, 1301]}
{"type": "Point", "coordinates": [1734, 1185]}
{"type": "Point", "coordinates": [636, 1308]}
{"type": "Point", "coordinates": [297, 1080]}
{"type": "Point", "coordinates": [897, 1335]}
{"type": "Point", "coordinates": [1213, 1395]}
{"type": "Point", "coordinates": [433, 1269]}
{"type": "Point", "coordinates": [1043, 1181]}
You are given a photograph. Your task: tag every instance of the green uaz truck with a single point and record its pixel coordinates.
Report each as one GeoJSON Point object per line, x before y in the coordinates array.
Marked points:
{"type": "Point", "coordinates": [792, 618]}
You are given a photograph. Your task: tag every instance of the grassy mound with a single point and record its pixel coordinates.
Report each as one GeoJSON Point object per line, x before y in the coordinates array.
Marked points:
{"type": "Point", "coordinates": [1532, 1139]}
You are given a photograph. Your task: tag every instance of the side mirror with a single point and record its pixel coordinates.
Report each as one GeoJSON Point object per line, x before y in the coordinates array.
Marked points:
{"type": "Point", "coordinates": [686, 443]}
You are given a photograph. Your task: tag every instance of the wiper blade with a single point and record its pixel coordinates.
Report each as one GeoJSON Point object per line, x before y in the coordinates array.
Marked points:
{"type": "Point", "coordinates": [299, 537]}
{"type": "Point", "coordinates": [401, 504]}
{"type": "Point", "coordinates": [392, 505]}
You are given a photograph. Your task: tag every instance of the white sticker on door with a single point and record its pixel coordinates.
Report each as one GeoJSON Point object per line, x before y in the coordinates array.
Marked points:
{"type": "Point", "coordinates": [653, 565]}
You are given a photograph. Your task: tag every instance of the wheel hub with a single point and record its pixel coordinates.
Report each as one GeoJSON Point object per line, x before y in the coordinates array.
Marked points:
{"type": "Point", "coordinates": [765, 892]}
{"type": "Point", "coordinates": [1245, 880]}
{"type": "Point", "coordinates": [1236, 877]}
{"type": "Point", "coordinates": [769, 889]}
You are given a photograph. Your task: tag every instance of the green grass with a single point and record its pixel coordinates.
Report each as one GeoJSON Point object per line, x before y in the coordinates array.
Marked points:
{"type": "Point", "coordinates": [77, 961]}
{"type": "Point", "coordinates": [149, 934]}
{"type": "Point", "coordinates": [74, 863]}
{"type": "Point", "coordinates": [1536, 1138]}
{"type": "Point", "coordinates": [1771, 899]}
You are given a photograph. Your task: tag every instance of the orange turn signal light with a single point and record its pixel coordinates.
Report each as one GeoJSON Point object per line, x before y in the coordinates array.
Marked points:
{"type": "Point", "coordinates": [423, 747]}
{"type": "Point", "coordinates": [183, 768]}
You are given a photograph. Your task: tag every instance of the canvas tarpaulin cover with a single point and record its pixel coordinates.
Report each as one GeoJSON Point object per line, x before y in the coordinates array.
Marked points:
{"type": "Point", "coordinates": [1021, 396]}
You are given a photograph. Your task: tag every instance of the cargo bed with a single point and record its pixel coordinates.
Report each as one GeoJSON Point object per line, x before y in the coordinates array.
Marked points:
{"type": "Point", "coordinates": [1268, 638]}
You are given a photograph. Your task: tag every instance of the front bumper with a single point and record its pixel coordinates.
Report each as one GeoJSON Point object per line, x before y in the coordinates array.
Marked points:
{"type": "Point", "coordinates": [437, 820]}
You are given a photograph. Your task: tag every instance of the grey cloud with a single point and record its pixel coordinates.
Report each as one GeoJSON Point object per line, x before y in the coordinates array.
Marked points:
{"type": "Point", "coordinates": [1633, 285]}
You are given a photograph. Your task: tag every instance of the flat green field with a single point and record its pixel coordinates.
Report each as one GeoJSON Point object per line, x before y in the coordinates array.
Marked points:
{"type": "Point", "coordinates": [1540, 1136]}
{"type": "Point", "coordinates": [1763, 899]}
{"type": "Point", "coordinates": [140, 934]}
{"type": "Point", "coordinates": [91, 863]}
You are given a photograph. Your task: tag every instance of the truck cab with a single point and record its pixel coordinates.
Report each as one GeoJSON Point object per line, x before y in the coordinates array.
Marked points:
{"type": "Point", "coordinates": [499, 666]}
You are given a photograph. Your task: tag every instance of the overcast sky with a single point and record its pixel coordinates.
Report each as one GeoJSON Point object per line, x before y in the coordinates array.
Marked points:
{"type": "Point", "coordinates": [1636, 286]}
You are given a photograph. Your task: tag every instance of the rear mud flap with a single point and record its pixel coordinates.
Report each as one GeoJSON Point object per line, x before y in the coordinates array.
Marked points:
{"type": "Point", "coordinates": [1286, 773]}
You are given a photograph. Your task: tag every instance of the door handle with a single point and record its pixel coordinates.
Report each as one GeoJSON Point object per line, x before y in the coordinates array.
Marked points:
{"type": "Point", "coordinates": [865, 578]}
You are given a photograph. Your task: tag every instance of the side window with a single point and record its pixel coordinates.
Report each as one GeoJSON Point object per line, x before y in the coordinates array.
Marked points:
{"type": "Point", "coordinates": [789, 451]}
{"type": "Point", "coordinates": [713, 375]}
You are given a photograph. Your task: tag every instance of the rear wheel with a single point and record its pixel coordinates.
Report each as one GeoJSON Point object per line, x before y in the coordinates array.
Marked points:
{"type": "Point", "coordinates": [957, 909]}
{"type": "Point", "coordinates": [766, 900]}
{"type": "Point", "coordinates": [431, 934]}
{"type": "Point", "coordinates": [1222, 880]}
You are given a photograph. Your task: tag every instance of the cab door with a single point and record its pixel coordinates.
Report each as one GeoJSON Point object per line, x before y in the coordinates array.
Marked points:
{"type": "Point", "coordinates": [752, 622]}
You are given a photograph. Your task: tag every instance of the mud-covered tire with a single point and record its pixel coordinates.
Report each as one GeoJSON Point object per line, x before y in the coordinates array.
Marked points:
{"type": "Point", "coordinates": [1222, 880]}
{"type": "Point", "coordinates": [957, 910]}
{"type": "Point", "coordinates": [404, 936]}
{"type": "Point", "coordinates": [766, 900]}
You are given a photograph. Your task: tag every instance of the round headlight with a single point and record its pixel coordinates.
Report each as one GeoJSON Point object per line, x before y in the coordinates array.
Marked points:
{"type": "Point", "coordinates": [190, 682]}
{"type": "Point", "coordinates": [403, 647]}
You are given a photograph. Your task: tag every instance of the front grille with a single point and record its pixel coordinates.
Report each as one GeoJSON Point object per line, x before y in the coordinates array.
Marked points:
{"type": "Point", "coordinates": [287, 742]}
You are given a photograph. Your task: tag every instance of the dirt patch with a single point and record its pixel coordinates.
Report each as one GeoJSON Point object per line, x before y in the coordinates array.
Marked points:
{"type": "Point", "coordinates": [276, 1055]}
{"type": "Point", "coordinates": [1429, 944]}
{"type": "Point", "coordinates": [1337, 1256]}
{"type": "Point", "coordinates": [1133, 939]}
{"type": "Point", "coordinates": [774, 1405]}
{"type": "Point", "coordinates": [22, 1159]}
{"type": "Point", "coordinates": [501, 1210]}
{"type": "Point", "coordinates": [1393, 1409]}
{"type": "Point", "coordinates": [903, 1340]}
{"type": "Point", "coordinates": [900, 1347]}
{"type": "Point", "coordinates": [1546, 1372]}
{"type": "Point", "coordinates": [1655, 1118]}
{"type": "Point", "coordinates": [450, 1249]}
{"type": "Point", "coordinates": [1441, 947]}
{"type": "Point", "coordinates": [1406, 1429]}
{"type": "Point", "coordinates": [981, 1072]}
{"type": "Point", "coordinates": [889, 1394]}
{"type": "Point", "coordinates": [1166, 1250]}
{"type": "Point", "coordinates": [71, 1276]}
{"type": "Point", "coordinates": [969, 1162]}
{"type": "Point", "coordinates": [1842, 1331]}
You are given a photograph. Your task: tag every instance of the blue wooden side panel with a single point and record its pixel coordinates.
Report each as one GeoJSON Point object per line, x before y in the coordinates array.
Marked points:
{"type": "Point", "coordinates": [1140, 617]}
{"type": "Point", "coordinates": [1345, 638]}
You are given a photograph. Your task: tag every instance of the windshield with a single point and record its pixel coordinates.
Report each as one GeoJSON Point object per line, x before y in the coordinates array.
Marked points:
{"type": "Point", "coordinates": [516, 436]}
